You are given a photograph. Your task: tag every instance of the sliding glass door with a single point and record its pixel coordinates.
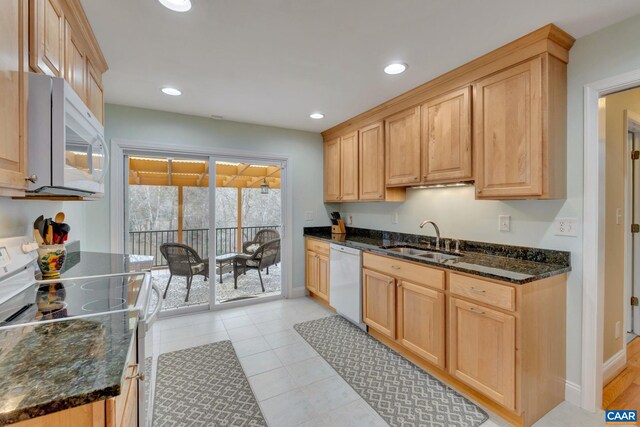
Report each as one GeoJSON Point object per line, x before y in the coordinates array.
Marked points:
{"type": "Point", "coordinates": [167, 217]}
{"type": "Point", "coordinates": [248, 230]}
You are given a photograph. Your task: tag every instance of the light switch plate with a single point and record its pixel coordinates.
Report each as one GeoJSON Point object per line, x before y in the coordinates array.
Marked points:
{"type": "Point", "coordinates": [308, 216]}
{"type": "Point", "coordinates": [566, 227]}
{"type": "Point", "coordinates": [504, 222]}
{"type": "Point", "coordinates": [394, 218]}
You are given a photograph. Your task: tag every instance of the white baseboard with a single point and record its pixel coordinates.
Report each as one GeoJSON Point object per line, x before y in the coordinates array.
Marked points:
{"type": "Point", "coordinates": [614, 366]}
{"type": "Point", "coordinates": [298, 292]}
{"type": "Point", "coordinates": [573, 393]}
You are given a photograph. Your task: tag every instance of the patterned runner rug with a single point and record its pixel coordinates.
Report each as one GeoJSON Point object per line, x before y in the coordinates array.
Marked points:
{"type": "Point", "coordinates": [401, 392]}
{"type": "Point", "coordinates": [204, 386]}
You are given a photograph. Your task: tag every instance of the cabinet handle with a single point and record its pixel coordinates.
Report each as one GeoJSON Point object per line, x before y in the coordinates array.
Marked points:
{"type": "Point", "coordinates": [395, 267]}
{"type": "Point", "coordinates": [32, 179]}
{"type": "Point", "coordinates": [476, 310]}
{"type": "Point", "coordinates": [389, 282]}
{"type": "Point", "coordinates": [478, 291]}
{"type": "Point", "coordinates": [398, 285]}
{"type": "Point", "coordinates": [136, 375]}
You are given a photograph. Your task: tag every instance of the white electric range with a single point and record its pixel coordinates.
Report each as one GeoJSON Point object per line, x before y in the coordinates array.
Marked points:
{"type": "Point", "coordinates": [25, 300]}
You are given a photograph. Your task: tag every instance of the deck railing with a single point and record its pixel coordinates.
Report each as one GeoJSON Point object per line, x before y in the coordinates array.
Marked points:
{"type": "Point", "coordinates": [148, 242]}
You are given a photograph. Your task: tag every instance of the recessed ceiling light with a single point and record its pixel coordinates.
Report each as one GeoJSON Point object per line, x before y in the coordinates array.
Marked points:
{"type": "Point", "coordinates": [395, 68]}
{"type": "Point", "coordinates": [177, 5]}
{"type": "Point", "coordinates": [316, 116]}
{"type": "Point", "coordinates": [171, 91]}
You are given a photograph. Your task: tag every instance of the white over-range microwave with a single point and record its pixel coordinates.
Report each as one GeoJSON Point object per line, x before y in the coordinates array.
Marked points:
{"type": "Point", "coordinates": [68, 155]}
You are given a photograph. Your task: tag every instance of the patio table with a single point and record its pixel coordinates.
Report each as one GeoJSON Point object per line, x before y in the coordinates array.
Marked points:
{"type": "Point", "coordinates": [225, 259]}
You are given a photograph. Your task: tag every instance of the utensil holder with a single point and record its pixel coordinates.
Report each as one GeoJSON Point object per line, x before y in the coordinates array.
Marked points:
{"type": "Point", "coordinates": [51, 259]}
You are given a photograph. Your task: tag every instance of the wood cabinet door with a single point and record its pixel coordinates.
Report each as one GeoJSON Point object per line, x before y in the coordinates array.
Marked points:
{"type": "Point", "coordinates": [508, 132]}
{"type": "Point", "coordinates": [482, 350]}
{"type": "Point", "coordinates": [95, 92]}
{"type": "Point", "coordinates": [332, 170]}
{"type": "Point", "coordinates": [312, 271]}
{"type": "Point", "coordinates": [323, 276]}
{"type": "Point", "coordinates": [379, 302]}
{"type": "Point", "coordinates": [47, 37]}
{"type": "Point", "coordinates": [75, 63]}
{"type": "Point", "coordinates": [349, 167]}
{"type": "Point", "coordinates": [446, 137]}
{"type": "Point", "coordinates": [371, 153]}
{"type": "Point", "coordinates": [402, 147]}
{"type": "Point", "coordinates": [421, 321]}
{"type": "Point", "coordinates": [13, 91]}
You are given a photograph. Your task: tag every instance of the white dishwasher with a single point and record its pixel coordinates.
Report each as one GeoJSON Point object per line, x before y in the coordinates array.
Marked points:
{"type": "Point", "coordinates": [345, 289]}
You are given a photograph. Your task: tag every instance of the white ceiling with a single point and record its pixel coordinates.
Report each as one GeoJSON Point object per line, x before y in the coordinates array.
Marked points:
{"type": "Point", "coordinates": [274, 62]}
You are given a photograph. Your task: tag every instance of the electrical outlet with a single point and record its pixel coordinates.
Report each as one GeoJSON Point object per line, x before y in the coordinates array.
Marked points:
{"type": "Point", "coordinates": [504, 222]}
{"type": "Point", "coordinates": [394, 218]}
{"type": "Point", "coordinates": [618, 329]}
{"type": "Point", "coordinates": [567, 227]}
{"type": "Point", "coordinates": [349, 220]}
{"type": "Point", "coordinates": [308, 216]}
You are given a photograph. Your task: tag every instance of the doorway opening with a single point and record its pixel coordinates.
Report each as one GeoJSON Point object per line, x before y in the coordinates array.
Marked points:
{"type": "Point", "coordinates": [619, 128]}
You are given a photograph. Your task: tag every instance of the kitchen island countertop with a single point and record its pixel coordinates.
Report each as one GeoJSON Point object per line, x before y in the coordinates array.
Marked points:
{"type": "Point", "coordinates": [50, 367]}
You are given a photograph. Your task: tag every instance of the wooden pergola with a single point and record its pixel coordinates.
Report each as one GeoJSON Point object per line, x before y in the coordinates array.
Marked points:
{"type": "Point", "coordinates": [195, 173]}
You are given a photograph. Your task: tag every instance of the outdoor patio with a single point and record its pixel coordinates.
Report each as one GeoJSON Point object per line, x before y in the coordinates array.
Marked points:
{"type": "Point", "coordinates": [248, 287]}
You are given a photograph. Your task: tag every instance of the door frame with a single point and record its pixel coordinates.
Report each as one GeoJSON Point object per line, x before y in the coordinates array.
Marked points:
{"type": "Point", "coordinates": [593, 238]}
{"type": "Point", "coordinates": [116, 200]}
{"type": "Point", "coordinates": [632, 322]}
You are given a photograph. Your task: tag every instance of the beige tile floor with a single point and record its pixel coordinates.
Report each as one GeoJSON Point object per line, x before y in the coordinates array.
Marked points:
{"type": "Point", "coordinates": [276, 361]}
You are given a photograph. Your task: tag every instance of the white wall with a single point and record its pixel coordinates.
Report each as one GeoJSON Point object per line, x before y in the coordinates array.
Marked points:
{"type": "Point", "coordinates": [17, 216]}
{"type": "Point", "coordinates": [148, 126]}
{"type": "Point", "coordinates": [608, 52]}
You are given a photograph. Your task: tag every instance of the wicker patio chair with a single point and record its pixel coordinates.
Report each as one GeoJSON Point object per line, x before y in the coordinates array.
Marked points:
{"type": "Point", "coordinates": [183, 261]}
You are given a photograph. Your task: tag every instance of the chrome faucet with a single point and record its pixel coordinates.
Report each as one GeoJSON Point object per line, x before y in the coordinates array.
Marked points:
{"type": "Point", "coordinates": [435, 226]}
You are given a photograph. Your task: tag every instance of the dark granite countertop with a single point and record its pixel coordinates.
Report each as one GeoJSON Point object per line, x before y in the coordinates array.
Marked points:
{"type": "Point", "coordinates": [49, 367]}
{"type": "Point", "coordinates": [83, 263]}
{"type": "Point", "coordinates": [513, 264]}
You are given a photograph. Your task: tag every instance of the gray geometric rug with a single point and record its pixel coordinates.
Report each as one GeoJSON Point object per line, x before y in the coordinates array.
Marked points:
{"type": "Point", "coordinates": [204, 386]}
{"type": "Point", "coordinates": [399, 391]}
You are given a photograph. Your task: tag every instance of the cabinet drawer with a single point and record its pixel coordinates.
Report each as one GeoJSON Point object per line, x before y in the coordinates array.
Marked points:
{"type": "Point", "coordinates": [318, 246]}
{"type": "Point", "coordinates": [418, 274]}
{"type": "Point", "coordinates": [501, 296]}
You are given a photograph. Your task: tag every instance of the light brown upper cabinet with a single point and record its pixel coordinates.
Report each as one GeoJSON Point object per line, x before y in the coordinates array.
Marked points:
{"type": "Point", "coordinates": [13, 105]}
{"type": "Point", "coordinates": [402, 152]}
{"type": "Point", "coordinates": [499, 120]}
{"type": "Point", "coordinates": [341, 168]}
{"type": "Point", "coordinates": [446, 138]}
{"type": "Point", "coordinates": [349, 167]}
{"type": "Point", "coordinates": [47, 37]}
{"type": "Point", "coordinates": [76, 63]}
{"type": "Point", "coordinates": [520, 131]}
{"type": "Point", "coordinates": [95, 92]}
{"type": "Point", "coordinates": [371, 184]}
{"type": "Point", "coordinates": [332, 170]}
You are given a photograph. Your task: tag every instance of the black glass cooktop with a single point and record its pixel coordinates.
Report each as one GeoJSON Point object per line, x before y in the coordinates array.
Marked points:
{"type": "Point", "coordinates": [72, 298]}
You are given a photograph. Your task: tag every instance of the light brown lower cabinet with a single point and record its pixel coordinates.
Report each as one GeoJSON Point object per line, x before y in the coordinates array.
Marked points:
{"type": "Point", "coordinates": [502, 344]}
{"type": "Point", "coordinates": [482, 350]}
{"type": "Point", "coordinates": [421, 321]}
{"type": "Point", "coordinates": [317, 268]}
{"type": "Point", "coordinates": [379, 306]}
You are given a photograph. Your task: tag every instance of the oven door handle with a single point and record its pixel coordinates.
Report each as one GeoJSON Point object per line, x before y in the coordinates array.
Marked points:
{"type": "Point", "coordinates": [152, 318]}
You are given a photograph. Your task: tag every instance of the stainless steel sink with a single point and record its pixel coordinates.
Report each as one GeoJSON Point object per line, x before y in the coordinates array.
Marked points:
{"type": "Point", "coordinates": [437, 256]}
{"type": "Point", "coordinates": [420, 253]}
{"type": "Point", "coordinates": [407, 251]}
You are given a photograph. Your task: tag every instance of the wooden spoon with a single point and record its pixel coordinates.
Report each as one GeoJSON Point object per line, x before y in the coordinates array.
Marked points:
{"type": "Point", "coordinates": [59, 217]}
